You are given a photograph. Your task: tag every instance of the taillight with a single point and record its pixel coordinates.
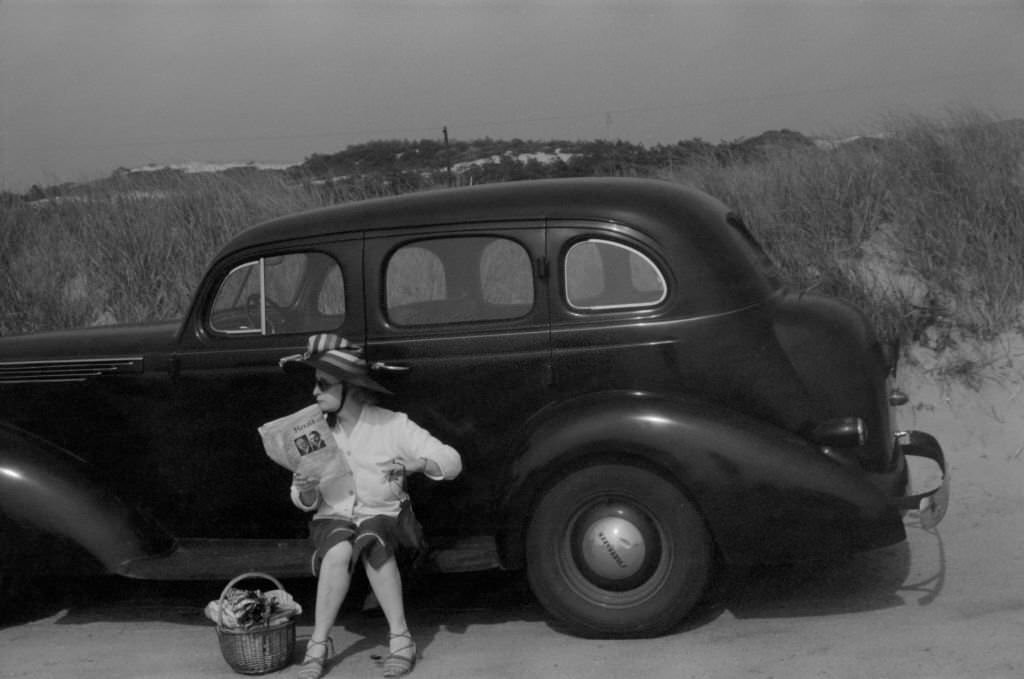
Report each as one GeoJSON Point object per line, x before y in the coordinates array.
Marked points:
{"type": "Point", "coordinates": [897, 397]}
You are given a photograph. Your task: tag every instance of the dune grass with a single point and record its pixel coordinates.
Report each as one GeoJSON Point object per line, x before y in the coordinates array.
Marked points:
{"type": "Point", "coordinates": [923, 227]}
{"type": "Point", "coordinates": [124, 255]}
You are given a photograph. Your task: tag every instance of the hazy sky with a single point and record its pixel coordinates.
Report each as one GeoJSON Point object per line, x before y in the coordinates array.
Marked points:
{"type": "Point", "coordinates": [87, 86]}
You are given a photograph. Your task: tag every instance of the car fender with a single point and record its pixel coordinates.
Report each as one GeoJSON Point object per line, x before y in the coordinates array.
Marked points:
{"type": "Point", "coordinates": [46, 490]}
{"type": "Point", "coordinates": [749, 478]}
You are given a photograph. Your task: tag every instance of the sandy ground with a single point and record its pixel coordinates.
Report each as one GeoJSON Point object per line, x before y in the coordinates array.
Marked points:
{"type": "Point", "coordinates": [948, 603]}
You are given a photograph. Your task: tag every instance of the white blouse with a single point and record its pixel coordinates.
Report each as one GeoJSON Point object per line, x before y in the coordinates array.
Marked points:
{"type": "Point", "coordinates": [361, 488]}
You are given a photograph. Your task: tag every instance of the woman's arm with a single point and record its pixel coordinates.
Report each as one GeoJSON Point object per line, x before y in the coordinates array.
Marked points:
{"type": "Point", "coordinates": [429, 456]}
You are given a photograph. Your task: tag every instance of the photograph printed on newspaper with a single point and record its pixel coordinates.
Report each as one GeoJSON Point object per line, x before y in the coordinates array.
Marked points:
{"type": "Point", "coordinates": [302, 442]}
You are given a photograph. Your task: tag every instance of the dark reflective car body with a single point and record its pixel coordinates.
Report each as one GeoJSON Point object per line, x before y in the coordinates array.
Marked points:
{"type": "Point", "coordinates": [636, 399]}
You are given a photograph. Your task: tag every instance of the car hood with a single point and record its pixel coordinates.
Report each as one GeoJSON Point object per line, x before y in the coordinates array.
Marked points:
{"type": "Point", "coordinates": [98, 341]}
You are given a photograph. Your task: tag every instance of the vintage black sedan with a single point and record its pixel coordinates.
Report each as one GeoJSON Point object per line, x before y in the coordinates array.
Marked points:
{"type": "Point", "coordinates": [638, 403]}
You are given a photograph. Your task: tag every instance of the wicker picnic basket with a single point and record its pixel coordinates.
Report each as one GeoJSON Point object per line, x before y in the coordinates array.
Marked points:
{"type": "Point", "coordinates": [257, 650]}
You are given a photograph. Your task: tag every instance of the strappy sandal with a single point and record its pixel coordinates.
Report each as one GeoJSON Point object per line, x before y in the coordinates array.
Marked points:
{"type": "Point", "coordinates": [396, 665]}
{"type": "Point", "coordinates": [312, 667]}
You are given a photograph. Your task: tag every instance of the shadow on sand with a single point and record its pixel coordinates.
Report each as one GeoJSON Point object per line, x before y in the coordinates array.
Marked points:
{"type": "Point", "coordinates": [874, 580]}
{"type": "Point", "coordinates": [458, 599]}
{"type": "Point", "coordinates": [453, 603]}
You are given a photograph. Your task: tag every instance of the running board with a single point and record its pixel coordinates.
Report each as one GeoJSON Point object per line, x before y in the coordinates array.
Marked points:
{"type": "Point", "coordinates": [478, 553]}
{"type": "Point", "coordinates": [203, 559]}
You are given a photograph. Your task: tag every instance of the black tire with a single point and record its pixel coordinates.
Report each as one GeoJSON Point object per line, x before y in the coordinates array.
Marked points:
{"type": "Point", "coordinates": [615, 550]}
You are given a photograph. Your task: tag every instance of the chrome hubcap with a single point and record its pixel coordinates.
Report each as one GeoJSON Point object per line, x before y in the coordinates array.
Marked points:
{"type": "Point", "coordinates": [615, 546]}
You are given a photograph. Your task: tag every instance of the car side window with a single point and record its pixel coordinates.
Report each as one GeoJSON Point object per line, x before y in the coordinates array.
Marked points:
{"type": "Point", "coordinates": [605, 275]}
{"type": "Point", "coordinates": [294, 293]}
{"type": "Point", "coordinates": [459, 280]}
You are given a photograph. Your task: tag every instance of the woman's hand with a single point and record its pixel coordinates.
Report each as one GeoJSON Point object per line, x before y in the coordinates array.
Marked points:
{"type": "Point", "coordinates": [394, 469]}
{"type": "Point", "coordinates": [305, 484]}
{"type": "Point", "coordinates": [397, 467]}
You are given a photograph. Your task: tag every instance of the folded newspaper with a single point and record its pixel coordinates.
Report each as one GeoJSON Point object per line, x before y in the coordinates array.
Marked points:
{"type": "Point", "coordinates": [302, 442]}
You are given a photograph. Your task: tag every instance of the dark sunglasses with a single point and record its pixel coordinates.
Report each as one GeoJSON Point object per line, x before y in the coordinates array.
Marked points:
{"type": "Point", "coordinates": [324, 385]}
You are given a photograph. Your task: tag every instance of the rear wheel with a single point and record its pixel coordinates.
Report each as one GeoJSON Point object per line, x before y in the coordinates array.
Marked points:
{"type": "Point", "coordinates": [616, 550]}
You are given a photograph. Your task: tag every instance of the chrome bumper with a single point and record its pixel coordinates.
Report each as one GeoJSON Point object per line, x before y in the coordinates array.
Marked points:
{"type": "Point", "coordinates": [931, 504]}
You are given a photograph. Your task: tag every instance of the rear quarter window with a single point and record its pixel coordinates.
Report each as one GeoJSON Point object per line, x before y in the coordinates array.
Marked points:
{"type": "Point", "coordinates": [604, 275]}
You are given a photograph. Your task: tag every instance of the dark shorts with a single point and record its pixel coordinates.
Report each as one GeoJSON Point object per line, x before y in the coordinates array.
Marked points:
{"type": "Point", "coordinates": [328, 533]}
{"type": "Point", "coordinates": [375, 540]}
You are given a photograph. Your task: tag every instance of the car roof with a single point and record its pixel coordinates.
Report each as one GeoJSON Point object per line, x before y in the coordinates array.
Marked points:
{"type": "Point", "coordinates": [654, 205]}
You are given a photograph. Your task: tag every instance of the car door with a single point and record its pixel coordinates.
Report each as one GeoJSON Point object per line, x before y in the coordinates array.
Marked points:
{"type": "Point", "coordinates": [225, 381]}
{"type": "Point", "coordinates": [459, 315]}
{"type": "Point", "coordinates": [609, 294]}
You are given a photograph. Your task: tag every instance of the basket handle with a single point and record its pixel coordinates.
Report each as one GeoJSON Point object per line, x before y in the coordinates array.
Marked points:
{"type": "Point", "coordinates": [236, 580]}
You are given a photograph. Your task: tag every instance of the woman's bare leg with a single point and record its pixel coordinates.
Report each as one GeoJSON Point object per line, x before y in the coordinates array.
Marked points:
{"type": "Point", "coordinates": [331, 588]}
{"type": "Point", "coordinates": [386, 582]}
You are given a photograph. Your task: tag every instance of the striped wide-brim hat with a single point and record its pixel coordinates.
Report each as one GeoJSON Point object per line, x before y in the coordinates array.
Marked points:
{"type": "Point", "coordinates": [335, 356]}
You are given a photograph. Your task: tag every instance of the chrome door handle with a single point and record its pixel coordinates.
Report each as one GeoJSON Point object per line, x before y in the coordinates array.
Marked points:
{"type": "Point", "coordinates": [389, 367]}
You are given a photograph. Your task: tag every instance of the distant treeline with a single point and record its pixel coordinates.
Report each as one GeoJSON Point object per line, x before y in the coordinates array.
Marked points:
{"type": "Point", "coordinates": [409, 165]}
